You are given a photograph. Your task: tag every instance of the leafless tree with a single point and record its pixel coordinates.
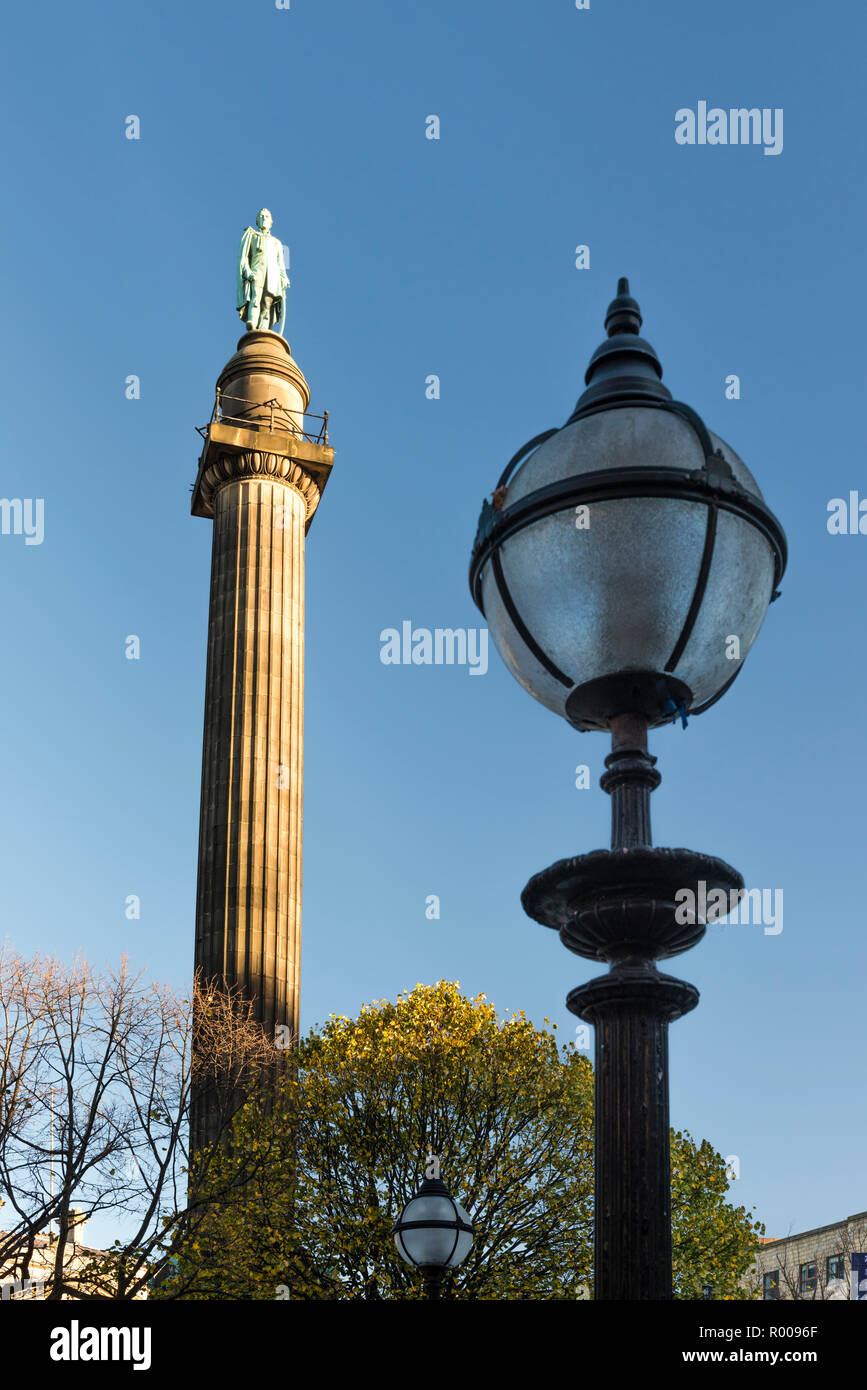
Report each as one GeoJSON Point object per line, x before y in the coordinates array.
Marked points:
{"type": "Point", "coordinates": [97, 1070]}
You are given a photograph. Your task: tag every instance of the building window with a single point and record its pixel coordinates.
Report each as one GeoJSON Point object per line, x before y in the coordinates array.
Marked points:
{"type": "Point", "coordinates": [771, 1284]}
{"type": "Point", "coordinates": [836, 1268]}
{"type": "Point", "coordinates": [808, 1276]}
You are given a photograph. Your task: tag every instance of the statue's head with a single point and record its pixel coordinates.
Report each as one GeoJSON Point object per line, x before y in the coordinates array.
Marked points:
{"type": "Point", "coordinates": [264, 220]}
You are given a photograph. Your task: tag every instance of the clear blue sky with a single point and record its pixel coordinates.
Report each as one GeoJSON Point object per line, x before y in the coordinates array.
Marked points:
{"type": "Point", "coordinates": [454, 257]}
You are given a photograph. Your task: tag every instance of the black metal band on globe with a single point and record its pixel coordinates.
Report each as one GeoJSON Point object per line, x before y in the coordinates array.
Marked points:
{"type": "Point", "coordinates": [704, 485]}
{"type": "Point", "coordinates": [455, 1226]}
{"type": "Point", "coordinates": [417, 1220]}
{"type": "Point", "coordinates": [714, 486]}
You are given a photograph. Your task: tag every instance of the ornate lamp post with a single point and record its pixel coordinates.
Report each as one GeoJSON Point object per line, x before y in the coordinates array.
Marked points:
{"type": "Point", "coordinates": [624, 569]}
{"type": "Point", "coordinates": [433, 1233]}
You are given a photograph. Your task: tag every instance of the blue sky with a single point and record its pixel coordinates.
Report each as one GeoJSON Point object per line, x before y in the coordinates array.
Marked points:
{"type": "Point", "coordinates": [456, 257]}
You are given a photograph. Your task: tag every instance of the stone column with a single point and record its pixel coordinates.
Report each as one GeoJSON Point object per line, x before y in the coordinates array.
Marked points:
{"type": "Point", "coordinates": [248, 913]}
{"type": "Point", "coordinates": [260, 479]}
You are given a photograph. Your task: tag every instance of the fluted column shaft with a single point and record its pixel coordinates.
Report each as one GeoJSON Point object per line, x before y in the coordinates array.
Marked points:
{"type": "Point", "coordinates": [631, 1009]}
{"type": "Point", "coordinates": [248, 913]}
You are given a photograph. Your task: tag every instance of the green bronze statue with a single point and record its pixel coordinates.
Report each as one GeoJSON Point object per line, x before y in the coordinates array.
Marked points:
{"type": "Point", "coordinates": [262, 278]}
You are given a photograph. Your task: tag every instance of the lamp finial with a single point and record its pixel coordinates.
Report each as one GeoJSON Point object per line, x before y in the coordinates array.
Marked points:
{"type": "Point", "coordinates": [624, 315]}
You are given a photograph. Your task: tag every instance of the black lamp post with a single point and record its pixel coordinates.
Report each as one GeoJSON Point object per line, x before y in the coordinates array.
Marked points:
{"type": "Point", "coordinates": [433, 1233]}
{"type": "Point", "coordinates": [624, 568]}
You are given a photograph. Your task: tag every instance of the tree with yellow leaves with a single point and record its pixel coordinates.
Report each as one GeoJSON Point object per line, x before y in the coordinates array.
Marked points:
{"type": "Point", "coordinates": [507, 1110]}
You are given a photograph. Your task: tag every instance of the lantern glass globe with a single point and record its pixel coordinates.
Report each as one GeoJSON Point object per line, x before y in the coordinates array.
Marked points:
{"type": "Point", "coordinates": [629, 558]}
{"type": "Point", "coordinates": [430, 1234]}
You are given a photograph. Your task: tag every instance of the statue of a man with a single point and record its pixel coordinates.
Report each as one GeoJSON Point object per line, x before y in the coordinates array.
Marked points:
{"type": "Point", "coordinates": [262, 278]}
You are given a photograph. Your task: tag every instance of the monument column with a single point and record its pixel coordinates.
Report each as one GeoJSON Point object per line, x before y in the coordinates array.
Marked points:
{"type": "Point", "coordinates": [260, 480]}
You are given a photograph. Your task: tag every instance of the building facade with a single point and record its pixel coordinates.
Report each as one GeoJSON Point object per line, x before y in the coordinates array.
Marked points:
{"type": "Point", "coordinates": [32, 1273]}
{"type": "Point", "coordinates": [814, 1264]}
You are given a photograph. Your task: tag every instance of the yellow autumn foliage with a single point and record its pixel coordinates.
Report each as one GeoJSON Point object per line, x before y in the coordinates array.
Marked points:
{"type": "Point", "coordinates": [508, 1112]}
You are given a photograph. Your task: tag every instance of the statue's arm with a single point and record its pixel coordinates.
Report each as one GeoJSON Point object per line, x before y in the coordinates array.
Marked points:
{"type": "Point", "coordinates": [244, 256]}
{"type": "Point", "coordinates": [243, 268]}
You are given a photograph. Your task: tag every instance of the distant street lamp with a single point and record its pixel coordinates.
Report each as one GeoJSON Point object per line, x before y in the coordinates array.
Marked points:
{"type": "Point", "coordinates": [433, 1233]}
{"type": "Point", "coordinates": [625, 566]}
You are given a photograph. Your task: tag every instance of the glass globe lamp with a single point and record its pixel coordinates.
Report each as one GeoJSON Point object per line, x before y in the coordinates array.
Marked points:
{"type": "Point", "coordinates": [628, 559]}
{"type": "Point", "coordinates": [433, 1233]}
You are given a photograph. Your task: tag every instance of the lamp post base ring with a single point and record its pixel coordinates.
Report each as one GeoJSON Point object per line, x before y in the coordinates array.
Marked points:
{"type": "Point", "coordinates": [645, 989]}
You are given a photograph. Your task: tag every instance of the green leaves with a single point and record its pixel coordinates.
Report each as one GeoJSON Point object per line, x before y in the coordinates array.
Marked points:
{"type": "Point", "coordinates": [713, 1242]}
{"type": "Point", "coordinates": [317, 1181]}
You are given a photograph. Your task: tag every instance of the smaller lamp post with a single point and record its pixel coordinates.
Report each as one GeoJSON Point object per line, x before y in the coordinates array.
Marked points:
{"type": "Point", "coordinates": [433, 1233]}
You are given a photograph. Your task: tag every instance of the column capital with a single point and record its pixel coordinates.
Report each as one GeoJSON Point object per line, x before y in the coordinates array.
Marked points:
{"type": "Point", "coordinates": [258, 427]}
{"type": "Point", "coordinates": [225, 461]}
